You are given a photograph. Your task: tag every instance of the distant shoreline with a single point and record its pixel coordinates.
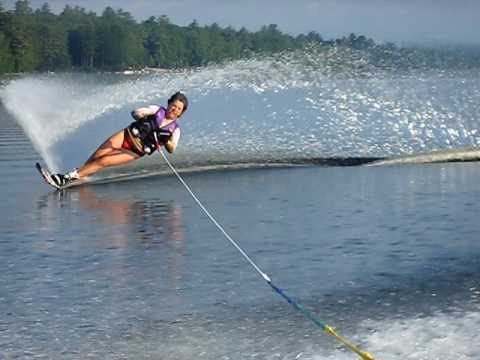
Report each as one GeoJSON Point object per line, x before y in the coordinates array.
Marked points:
{"type": "Point", "coordinates": [39, 41]}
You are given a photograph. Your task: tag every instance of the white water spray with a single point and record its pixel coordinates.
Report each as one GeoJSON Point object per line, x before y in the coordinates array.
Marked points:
{"type": "Point", "coordinates": [310, 104]}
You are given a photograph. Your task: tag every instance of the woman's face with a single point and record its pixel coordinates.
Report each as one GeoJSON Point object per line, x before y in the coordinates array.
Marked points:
{"type": "Point", "coordinates": [174, 109]}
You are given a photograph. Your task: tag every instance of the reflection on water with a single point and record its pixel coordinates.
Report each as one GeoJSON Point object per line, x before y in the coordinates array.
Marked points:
{"type": "Point", "coordinates": [122, 226]}
{"type": "Point", "coordinates": [134, 270]}
{"type": "Point", "coordinates": [147, 221]}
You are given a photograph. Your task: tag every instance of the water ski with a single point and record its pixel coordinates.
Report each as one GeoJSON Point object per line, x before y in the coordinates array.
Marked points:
{"type": "Point", "coordinates": [47, 176]}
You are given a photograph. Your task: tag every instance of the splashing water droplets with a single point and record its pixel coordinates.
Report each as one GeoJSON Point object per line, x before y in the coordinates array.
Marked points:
{"type": "Point", "coordinates": [315, 102]}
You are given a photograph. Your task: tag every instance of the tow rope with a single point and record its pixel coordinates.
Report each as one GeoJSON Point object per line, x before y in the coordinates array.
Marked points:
{"type": "Point", "coordinates": [328, 329]}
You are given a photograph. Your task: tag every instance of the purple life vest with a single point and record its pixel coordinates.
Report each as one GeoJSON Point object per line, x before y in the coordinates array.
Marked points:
{"type": "Point", "coordinates": [160, 116]}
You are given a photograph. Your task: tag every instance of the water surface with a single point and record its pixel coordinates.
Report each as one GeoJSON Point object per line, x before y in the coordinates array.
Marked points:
{"type": "Point", "coordinates": [134, 270]}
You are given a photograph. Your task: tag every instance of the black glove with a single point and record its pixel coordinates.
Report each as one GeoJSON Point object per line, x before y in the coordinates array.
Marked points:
{"type": "Point", "coordinates": [143, 128]}
{"type": "Point", "coordinates": [163, 136]}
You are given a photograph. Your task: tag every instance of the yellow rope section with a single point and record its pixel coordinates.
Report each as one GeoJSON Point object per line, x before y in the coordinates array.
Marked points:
{"type": "Point", "coordinates": [363, 354]}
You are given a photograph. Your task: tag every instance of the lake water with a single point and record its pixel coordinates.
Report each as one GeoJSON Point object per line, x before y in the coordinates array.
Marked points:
{"type": "Point", "coordinates": [388, 255]}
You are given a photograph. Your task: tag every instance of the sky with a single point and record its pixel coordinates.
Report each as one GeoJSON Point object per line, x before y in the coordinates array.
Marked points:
{"type": "Point", "coordinates": [399, 21]}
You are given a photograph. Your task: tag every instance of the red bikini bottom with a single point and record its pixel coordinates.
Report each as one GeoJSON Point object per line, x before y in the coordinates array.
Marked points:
{"type": "Point", "coordinates": [128, 144]}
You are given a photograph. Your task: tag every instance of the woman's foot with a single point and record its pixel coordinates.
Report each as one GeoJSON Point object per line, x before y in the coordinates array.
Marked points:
{"type": "Point", "coordinates": [64, 179]}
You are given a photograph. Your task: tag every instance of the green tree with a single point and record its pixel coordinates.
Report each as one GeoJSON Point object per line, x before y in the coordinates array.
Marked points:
{"type": "Point", "coordinates": [23, 8]}
{"type": "Point", "coordinates": [21, 31]}
{"type": "Point", "coordinates": [51, 40]}
{"type": "Point", "coordinates": [197, 43]}
{"type": "Point", "coordinates": [88, 45]}
{"type": "Point", "coordinates": [44, 14]}
{"type": "Point", "coordinates": [270, 38]}
{"type": "Point", "coordinates": [153, 41]}
{"type": "Point", "coordinates": [6, 58]}
{"type": "Point", "coordinates": [73, 17]}
{"type": "Point", "coordinates": [119, 44]}
{"type": "Point", "coordinates": [245, 40]}
{"type": "Point", "coordinates": [53, 47]}
{"type": "Point", "coordinates": [6, 61]}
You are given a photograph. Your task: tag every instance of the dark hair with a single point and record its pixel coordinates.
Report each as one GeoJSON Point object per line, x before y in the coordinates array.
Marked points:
{"type": "Point", "coordinates": [178, 96]}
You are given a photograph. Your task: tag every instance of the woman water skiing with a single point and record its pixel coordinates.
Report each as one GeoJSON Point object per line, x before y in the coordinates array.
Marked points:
{"type": "Point", "coordinates": [154, 126]}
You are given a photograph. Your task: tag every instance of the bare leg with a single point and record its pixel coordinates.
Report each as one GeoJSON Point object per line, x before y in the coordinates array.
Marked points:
{"type": "Point", "coordinates": [110, 153]}
{"type": "Point", "coordinates": [112, 143]}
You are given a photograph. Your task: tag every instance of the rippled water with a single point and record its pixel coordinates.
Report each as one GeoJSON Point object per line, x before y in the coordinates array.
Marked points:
{"type": "Point", "coordinates": [134, 269]}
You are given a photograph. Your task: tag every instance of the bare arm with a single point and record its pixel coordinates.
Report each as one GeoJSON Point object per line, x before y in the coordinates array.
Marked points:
{"type": "Point", "coordinates": [142, 112]}
{"type": "Point", "coordinates": [172, 143]}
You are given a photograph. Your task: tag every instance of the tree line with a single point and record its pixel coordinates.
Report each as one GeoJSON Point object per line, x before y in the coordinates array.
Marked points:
{"type": "Point", "coordinates": [76, 39]}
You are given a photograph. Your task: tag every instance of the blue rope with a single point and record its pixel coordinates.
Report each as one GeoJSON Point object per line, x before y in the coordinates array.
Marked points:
{"type": "Point", "coordinates": [298, 307]}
